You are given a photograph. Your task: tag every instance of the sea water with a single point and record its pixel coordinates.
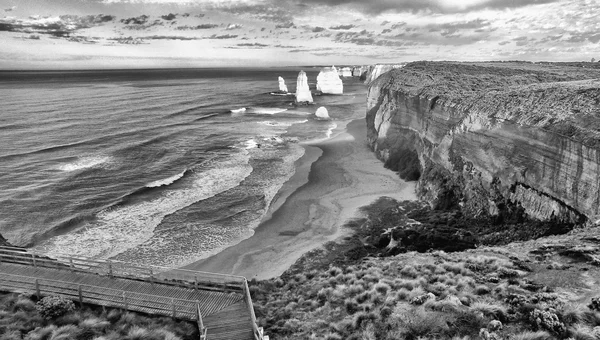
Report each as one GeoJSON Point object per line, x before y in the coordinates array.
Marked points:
{"type": "Point", "coordinates": [160, 167]}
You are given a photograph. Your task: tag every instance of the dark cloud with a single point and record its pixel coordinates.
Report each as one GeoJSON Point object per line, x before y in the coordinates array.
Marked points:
{"type": "Point", "coordinates": [253, 45]}
{"type": "Point", "coordinates": [387, 30]}
{"type": "Point", "coordinates": [318, 29]}
{"type": "Point", "coordinates": [65, 26]}
{"type": "Point", "coordinates": [198, 27]}
{"type": "Point", "coordinates": [224, 36]}
{"type": "Point", "coordinates": [342, 27]}
{"type": "Point", "coordinates": [169, 37]}
{"type": "Point", "coordinates": [378, 6]}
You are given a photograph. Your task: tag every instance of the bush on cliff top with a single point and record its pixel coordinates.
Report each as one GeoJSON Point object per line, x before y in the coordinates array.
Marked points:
{"type": "Point", "coordinates": [21, 318]}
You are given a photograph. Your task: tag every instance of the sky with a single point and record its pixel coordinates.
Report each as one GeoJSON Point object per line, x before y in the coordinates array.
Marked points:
{"type": "Point", "coordinates": [83, 34]}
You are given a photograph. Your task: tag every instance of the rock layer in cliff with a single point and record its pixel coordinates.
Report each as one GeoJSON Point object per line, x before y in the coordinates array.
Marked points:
{"type": "Point", "coordinates": [492, 138]}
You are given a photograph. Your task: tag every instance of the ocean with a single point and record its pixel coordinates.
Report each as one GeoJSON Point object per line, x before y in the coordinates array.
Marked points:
{"type": "Point", "coordinates": [161, 167]}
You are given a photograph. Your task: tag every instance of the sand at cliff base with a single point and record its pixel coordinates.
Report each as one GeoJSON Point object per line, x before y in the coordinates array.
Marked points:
{"type": "Point", "coordinates": [333, 179]}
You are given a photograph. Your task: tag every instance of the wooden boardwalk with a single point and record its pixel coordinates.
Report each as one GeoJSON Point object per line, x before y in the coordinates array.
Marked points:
{"type": "Point", "coordinates": [222, 308]}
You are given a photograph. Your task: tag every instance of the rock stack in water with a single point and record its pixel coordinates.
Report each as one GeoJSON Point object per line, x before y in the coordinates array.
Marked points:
{"type": "Point", "coordinates": [303, 94]}
{"type": "Point", "coordinates": [282, 87]}
{"type": "Point", "coordinates": [322, 113]}
{"type": "Point", "coordinates": [328, 81]}
{"type": "Point", "coordinates": [346, 72]}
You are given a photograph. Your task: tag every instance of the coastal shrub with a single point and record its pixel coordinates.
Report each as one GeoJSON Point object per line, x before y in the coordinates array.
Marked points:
{"type": "Point", "coordinates": [581, 332]}
{"type": "Point", "coordinates": [594, 304]}
{"type": "Point", "coordinates": [481, 290]}
{"type": "Point", "coordinates": [539, 335]}
{"type": "Point", "coordinates": [54, 306]}
{"type": "Point", "coordinates": [547, 320]}
{"type": "Point", "coordinates": [490, 309]}
{"type": "Point", "coordinates": [417, 323]}
{"type": "Point", "coordinates": [11, 335]}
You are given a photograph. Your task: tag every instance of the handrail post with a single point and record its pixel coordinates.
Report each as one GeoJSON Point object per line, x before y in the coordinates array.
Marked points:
{"type": "Point", "coordinates": [37, 288]}
{"type": "Point", "coordinates": [151, 276]}
{"type": "Point", "coordinates": [196, 283]}
{"type": "Point", "coordinates": [71, 263]}
{"type": "Point", "coordinates": [109, 268]}
{"type": "Point", "coordinates": [199, 317]}
{"type": "Point", "coordinates": [33, 259]}
{"type": "Point", "coordinates": [125, 306]}
{"type": "Point", "coordinates": [173, 305]}
{"type": "Point", "coordinates": [80, 297]}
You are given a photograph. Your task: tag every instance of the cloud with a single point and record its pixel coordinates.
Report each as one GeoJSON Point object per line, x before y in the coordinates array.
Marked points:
{"type": "Point", "coordinates": [288, 24]}
{"type": "Point", "coordinates": [250, 45]}
{"type": "Point", "coordinates": [342, 27]}
{"type": "Point", "coordinates": [197, 27]}
{"type": "Point", "coordinates": [233, 27]}
{"type": "Point", "coordinates": [224, 36]}
{"type": "Point", "coordinates": [437, 6]}
{"type": "Point", "coordinates": [318, 29]}
{"type": "Point", "coordinates": [62, 26]}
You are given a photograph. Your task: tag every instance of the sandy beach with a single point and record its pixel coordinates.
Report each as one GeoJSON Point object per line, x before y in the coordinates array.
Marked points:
{"type": "Point", "coordinates": [333, 179]}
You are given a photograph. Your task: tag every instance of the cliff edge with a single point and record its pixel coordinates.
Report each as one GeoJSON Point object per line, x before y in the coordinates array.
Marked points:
{"type": "Point", "coordinates": [493, 138]}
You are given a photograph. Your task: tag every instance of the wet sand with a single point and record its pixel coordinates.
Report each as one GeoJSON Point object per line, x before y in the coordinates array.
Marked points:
{"type": "Point", "coordinates": [333, 179]}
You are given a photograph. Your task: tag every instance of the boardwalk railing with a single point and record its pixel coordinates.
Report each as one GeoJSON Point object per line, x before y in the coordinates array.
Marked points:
{"type": "Point", "coordinates": [164, 275]}
{"type": "Point", "coordinates": [152, 304]}
{"type": "Point", "coordinates": [146, 303]}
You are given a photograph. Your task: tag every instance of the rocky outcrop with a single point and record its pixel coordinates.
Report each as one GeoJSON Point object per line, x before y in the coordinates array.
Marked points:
{"type": "Point", "coordinates": [322, 113]}
{"type": "Point", "coordinates": [329, 82]}
{"type": "Point", "coordinates": [303, 94]}
{"type": "Point", "coordinates": [375, 71]}
{"type": "Point", "coordinates": [359, 71]}
{"type": "Point", "coordinates": [4, 242]}
{"type": "Point", "coordinates": [345, 72]}
{"type": "Point", "coordinates": [282, 87]}
{"type": "Point", "coordinates": [493, 139]}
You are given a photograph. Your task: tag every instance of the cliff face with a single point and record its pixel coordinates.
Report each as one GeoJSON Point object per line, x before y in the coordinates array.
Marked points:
{"type": "Point", "coordinates": [493, 138]}
{"type": "Point", "coordinates": [374, 71]}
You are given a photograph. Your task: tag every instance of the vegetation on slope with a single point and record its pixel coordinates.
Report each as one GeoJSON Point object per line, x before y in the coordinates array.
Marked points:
{"type": "Point", "coordinates": [53, 318]}
{"type": "Point", "coordinates": [345, 291]}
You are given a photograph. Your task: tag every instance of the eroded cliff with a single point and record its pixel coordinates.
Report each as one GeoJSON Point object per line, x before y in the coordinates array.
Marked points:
{"type": "Point", "coordinates": [493, 138]}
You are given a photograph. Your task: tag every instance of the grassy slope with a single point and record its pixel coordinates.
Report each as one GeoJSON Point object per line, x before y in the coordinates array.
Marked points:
{"type": "Point", "coordinates": [350, 290]}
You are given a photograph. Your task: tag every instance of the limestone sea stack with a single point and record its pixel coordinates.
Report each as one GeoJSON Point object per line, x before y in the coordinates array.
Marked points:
{"type": "Point", "coordinates": [303, 94]}
{"type": "Point", "coordinates": [329, 82]}
{"type": "Point", "coordinates": [322, 113]}
{"type": "Point", "coordinates": [282, 87]}
{"type": "Point", "coordinates": [346, 72]}
{"type": "Point", "coordinates": [493, 139]}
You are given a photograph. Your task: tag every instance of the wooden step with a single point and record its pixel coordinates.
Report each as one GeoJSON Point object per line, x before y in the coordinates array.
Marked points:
{"type": "Point", "coordinates": [233, 335]}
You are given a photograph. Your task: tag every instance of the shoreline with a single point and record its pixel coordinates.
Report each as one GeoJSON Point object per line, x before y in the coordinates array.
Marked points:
{"type": "Point", "coordinates": [333, 179]}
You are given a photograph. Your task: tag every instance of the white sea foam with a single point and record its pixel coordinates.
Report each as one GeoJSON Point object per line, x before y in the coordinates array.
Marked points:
{"type": "Point", "coordinates": [165, 181]}
{"type": "Point", "coordinates": [282, 124]}
{"type": "Point", "coordinates": [84, 163]}
{"type": "Point", "coordinates": [250, 144]}
{"type": "Point", "coordinates": [116, 230]}
{"type": "Point", "coordinates": [191, 241]}
{"type": "Point", "coordinates": [243, 109]}
{"type": "Point", "coordinates": [330, 129]}
{"type": "Point", "coordinates": [266, 110]}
